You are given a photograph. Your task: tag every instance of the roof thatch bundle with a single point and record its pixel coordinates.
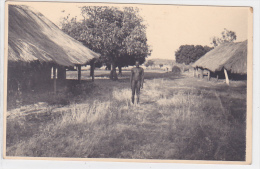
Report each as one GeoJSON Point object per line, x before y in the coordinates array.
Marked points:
{"type": "Point", "coordinates": [32, 36]}
{"type": "Point", "coordinates": [229, 56]}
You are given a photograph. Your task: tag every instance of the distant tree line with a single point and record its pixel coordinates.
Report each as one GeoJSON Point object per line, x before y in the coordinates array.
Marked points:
{"type": "Point", "coordinates": [190, 53]}
{"type": "Point", "coordinates": [119, 35]}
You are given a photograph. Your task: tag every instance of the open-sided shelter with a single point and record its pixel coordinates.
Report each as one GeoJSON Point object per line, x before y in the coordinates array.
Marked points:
{"type": "Point", "coordinates": [36, 45]}
{"type": "Point", "coordinates": [228, 57]}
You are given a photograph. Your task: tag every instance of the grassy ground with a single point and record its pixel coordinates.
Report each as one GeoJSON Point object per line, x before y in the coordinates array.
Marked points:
{"type": "Point", "coordinates": [179, 117]}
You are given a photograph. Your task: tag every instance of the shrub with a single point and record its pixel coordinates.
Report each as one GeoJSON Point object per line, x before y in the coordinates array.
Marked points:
{"type": "Point", "coordinates": [176, 69]}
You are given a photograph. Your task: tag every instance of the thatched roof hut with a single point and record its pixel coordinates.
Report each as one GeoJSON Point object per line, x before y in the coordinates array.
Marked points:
{"type": "Point", "coordinates": [32, 37]}
{"type": "Point", "coordinates": [39, 51]}
{"type": "Point", "coordinates": [231, 57]}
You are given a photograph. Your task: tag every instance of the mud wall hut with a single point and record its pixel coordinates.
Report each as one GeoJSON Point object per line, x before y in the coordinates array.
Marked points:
{"type": "Point", "coordinates": [36, 45]}
{"type": "Point", "coordinates": [228, 59]}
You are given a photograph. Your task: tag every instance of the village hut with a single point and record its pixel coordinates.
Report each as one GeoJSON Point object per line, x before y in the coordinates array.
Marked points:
{"type": "Point", "coordinates": [37, 47]}
{"type": "Point", "coordinates": [228, 58]}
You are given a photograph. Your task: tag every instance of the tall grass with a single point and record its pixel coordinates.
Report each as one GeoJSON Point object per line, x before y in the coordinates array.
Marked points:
{"type": "Point", "coordinates": [168, 124]}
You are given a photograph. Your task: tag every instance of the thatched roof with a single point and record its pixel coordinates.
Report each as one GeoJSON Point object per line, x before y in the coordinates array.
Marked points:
{"type": "Point", "coordinates": [231, 56]}
{"type": "Point", "coordinates": [31, 36]}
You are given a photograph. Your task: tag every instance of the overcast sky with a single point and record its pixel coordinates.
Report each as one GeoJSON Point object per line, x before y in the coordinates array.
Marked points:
{"type": "Point", "coordinates": [170, 26]}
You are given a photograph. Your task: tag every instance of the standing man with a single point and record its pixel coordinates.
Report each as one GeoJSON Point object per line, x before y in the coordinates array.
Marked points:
{"type": "Point", "coordinates": [136, 80]}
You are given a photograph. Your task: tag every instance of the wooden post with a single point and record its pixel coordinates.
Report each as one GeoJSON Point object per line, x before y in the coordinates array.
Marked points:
{"type": "Point", "coordinates": [79, 73]}
{"type": "Point", "coordinates": [226, 76]}
{"type": "Point", "coordinates": [217, 77]}
{"type": "Point", "coordinates": [208, 75]}
{"type": "Point", "coordinates": [92, 68]}
{"type": "Point", "coordinates": [194, 72]}
{"type": "Point", "coordinates": [200, 72]}
{"type": "Point", "coordinates": [54, 79]}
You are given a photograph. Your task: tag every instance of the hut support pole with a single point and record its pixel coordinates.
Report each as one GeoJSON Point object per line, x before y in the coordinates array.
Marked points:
{"type": "Point", "coordinates": [92, 70]}
{"type": "Point", "coordinates": [226, 76]}
{"type": "Point", "coordinates": [200, 73]}
{"type": "Point", "coordinates": [79, 73]}
{"type": "Point", "coordinates": [217, 77]}
{"type": "Point", "coordinates": [208, 75]}
{"type": "Point", "coordinates": [194, 72]}
{"type": "Point", "coordinates": [54, 79]}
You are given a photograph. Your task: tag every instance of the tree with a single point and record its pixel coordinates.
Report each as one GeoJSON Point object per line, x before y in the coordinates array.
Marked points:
{"type": "Point", "coordinates": [149, 63]}
{"type": "Point", "coordinates": [119, 35]}
{"type": "Point", "coordinates": [226, 36]}
{"type": "Point", "coordinates": [189, 53]}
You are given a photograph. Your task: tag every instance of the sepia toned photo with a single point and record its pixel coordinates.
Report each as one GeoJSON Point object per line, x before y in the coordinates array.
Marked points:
{"type": "Point", "coordinates": [128, 82]}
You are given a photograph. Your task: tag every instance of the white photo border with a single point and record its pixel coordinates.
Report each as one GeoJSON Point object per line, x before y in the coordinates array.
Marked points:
{"type": "Point", "coordinates": [28, 164]}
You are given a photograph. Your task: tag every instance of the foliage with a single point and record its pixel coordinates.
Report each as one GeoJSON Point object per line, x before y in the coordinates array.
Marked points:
{"type": "Point", "coordinates": [119, 35]}
{"type": "Point", "coordinates": [176, 70]}
{"type": "Point", "coordinates": [226, 36]}
{"type": "Point", "coordinates": [189, 53]}
{"type": "Point", "coordinates": [149, 63]}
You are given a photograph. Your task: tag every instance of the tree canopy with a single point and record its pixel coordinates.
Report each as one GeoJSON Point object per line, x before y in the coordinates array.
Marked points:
{"type": "Point", "coordinates": [119, 35]}
{"type": "Point", "coordinates": [189, 53]}
{"type": "Point", "coordinates": [226, 36]}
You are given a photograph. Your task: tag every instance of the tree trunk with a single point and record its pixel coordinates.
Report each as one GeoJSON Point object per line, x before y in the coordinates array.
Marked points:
{"type": "Point", "coordinates": [120, 70]}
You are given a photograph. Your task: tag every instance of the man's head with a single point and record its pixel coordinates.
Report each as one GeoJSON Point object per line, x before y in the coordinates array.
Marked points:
{"type": "Point", "coordinates": [137, 63]}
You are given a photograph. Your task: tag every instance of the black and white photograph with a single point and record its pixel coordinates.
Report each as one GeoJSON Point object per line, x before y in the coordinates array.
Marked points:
{"type": "Point", "coordinates": [141, 82]}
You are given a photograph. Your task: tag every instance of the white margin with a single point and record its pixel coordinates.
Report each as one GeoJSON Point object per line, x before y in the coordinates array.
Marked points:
{"type": "Point", "coordinates": [33, 164]}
